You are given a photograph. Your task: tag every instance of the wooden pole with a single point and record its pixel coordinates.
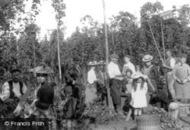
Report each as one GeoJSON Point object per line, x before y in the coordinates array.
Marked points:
{"type": "Point", "coordinates": [34, 52]}
{"type": "Point", "coordinates": [113, 40]}
{"type": "Point", "coordinates": [155, 43]}
{"type": "Point", "coordinates": [110, 104]}
{"type": "Point", "coordinates": [17, 48]}
{"type": "Point", "coordinates": [163, 44]}
{"type": "Point", "coordinates": [58, 52]}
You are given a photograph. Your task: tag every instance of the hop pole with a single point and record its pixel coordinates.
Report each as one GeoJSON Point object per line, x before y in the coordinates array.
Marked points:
{"type": "Point", "coordinates": [155, 43]}
{"type": "Point", "coordinates": [58, 50]}
{"type": "Point", "coordinates": [110, 104]}
{"type": "Point", "coordinates": [163, 44]}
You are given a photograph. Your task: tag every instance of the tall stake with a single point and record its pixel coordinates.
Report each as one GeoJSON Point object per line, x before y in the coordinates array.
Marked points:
{"type": "Point", "coordinates": [155, 43]}
{"type": "Point", "coordinates": [58, 52]}
{"type": "Point", "coordinates": [34, 52]}
{"type": "Point", "coordinates": [113, 40]}
{"type": "Point", "coordinates": [17, 48]}
{"type": "Point", "coordinates": [110, 104]}
{"type": "Point", "coordinates": [163, 44]}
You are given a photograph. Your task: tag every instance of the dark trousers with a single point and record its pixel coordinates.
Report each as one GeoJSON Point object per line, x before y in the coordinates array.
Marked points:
{"type": "Point", "coordinates": [115, 86]}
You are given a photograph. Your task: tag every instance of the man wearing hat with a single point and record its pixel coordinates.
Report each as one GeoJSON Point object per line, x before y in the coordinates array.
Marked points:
{"type": "Point", "coordinates": [181, 75]}
{"type": "Point", "coordinates": [116, 77]}
{"type": "Point", "coordinates": [151, 75]}
{"type": "Point", "coordinates": [13, 89]}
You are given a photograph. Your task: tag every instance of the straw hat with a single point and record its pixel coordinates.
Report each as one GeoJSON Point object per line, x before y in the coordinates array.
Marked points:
{"type": "Point", "coordinates": [147, 58]}
{"type": "Point", "coordinates": [93, 63]}
{"type": "Point", "coordinates": [42, 70]}
{"type": "Point", "coordinates": [138, 75]}
{"type": "Point", "coordinates": [102, 63]}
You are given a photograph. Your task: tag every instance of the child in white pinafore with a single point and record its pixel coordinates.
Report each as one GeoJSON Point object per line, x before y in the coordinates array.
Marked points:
{"type": "Point", "coordinates": [138, 94]}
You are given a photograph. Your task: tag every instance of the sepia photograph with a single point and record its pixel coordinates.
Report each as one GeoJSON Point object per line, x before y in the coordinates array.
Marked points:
{"type": "Point", "coordinates": [94, 64]}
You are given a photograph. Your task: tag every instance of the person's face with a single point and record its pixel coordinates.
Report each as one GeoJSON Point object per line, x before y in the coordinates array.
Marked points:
{"type": "Point", "coordinates": [127, 59]}
{"type": "Point", "coordinates": [128, 74]}
{"type": "Point", "coordinates": [115, 60]}
{"type": "Point", "coordinates": [148, 63]}
{"type": "Point", "coordinates": [101, 68]}
{"type": "Point", "coordinates": [15, 76]}
{"type": "Point", "coordinates": [168, 53]}
{"type": "Point", "coordinates": [183, 60]}
{"type": "Point", "coordinates": [139, 80]}
{"type": "Point", "coordinates": [138, 67]}
{"type": "Point", "coordinates": [41, 78]}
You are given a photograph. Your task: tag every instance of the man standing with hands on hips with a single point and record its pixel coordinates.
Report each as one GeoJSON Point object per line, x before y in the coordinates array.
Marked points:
{"type": "Point", "coordinates": [116, 77]}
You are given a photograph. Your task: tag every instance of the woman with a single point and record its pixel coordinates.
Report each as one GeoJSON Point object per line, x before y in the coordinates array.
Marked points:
{"type": "Point", "coordinates": [181, 75]}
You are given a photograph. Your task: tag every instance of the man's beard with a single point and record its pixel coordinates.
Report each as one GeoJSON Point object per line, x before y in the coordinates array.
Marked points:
{"type": "Point", "coordinates": [15, 80]}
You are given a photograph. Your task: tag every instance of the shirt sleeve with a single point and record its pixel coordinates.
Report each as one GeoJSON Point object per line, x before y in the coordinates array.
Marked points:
{"type": "Point", "coordinates": [172, 63]}
{"type": "Point", "coordinates": [174, 72]}
{"type": "Point", "coordinates": [24, 88]}
{"type": "Point", "coordinates": [124, 69]}
{"type": "Point", "coordinates": [188, 71]}
{"type": "Point", "coordinates": [145, 87]}
{"type": "Point", "coordinates": [133, 70]}
{"type": "Point", "coordinates": [5, 92]}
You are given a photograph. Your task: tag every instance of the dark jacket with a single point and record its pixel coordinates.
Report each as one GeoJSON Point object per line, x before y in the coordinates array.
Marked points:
{"type": "Point", "coordinates": [45, 95]}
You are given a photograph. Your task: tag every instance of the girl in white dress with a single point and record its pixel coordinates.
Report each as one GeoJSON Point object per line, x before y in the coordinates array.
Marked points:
{"type": "Point", "coordinates": [138, 94]}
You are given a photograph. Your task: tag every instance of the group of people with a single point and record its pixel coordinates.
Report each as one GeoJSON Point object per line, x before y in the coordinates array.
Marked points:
{"type": "Point", "coordinates": [140, 84]}
{"type": "Point", "coordinates": [15, 91]}
{"type": "Point", "coordinates": [45, 101]}
{"type": "Point", "coordinates": [137, 82]}
{"type": "Point", "coordinates": [144, 84]}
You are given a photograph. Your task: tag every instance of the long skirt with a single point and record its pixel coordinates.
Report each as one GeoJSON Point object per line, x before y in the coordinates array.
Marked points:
{"type": "Point", "coordinates": [182, 90]}
{"type": "Point", "coordinates": [90, 93]}
{"type": "Point", "coordinates": [115, 86]}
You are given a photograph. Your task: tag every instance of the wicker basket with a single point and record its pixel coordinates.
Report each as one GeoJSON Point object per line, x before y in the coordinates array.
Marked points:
{"type": "Point", "coordinates": [148, 122]}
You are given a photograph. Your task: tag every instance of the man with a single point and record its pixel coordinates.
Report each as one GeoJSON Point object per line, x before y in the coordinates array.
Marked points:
{"type": "Point", "coordinates": [151, 75]}
{"type": "Point", "coordinates": [101, 77]}
{"type": "Point", "coordinates": [128, 65]}
{"type": "Point", "coordinates": [13, 90]}
{"type": "Point", "coordinates": [169, 65]}
{"type": "Point", "coordinates": [181, 75]}
{"type": "Point", "coordinates": [116, 77]}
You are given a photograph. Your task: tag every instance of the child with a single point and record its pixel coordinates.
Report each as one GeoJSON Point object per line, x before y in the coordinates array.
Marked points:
{"type": "Point", "coordinates": [138, 95]}
{"type": "Point", "coordinates": [127, 90]}
{"type": "Point", "coordinates": [138, 69]}
{"type": "Point", "coordinates": [129, 81]}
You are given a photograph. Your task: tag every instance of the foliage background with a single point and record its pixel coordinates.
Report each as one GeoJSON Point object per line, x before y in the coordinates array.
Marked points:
{"type": "Point", "coordinates": [87, 43]}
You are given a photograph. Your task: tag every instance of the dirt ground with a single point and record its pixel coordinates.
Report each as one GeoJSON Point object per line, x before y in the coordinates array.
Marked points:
{"type": "Point", "coordinates": [117, 125]}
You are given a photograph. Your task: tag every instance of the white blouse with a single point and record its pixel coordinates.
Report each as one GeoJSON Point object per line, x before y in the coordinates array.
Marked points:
{"type": "Point", "coordinates": [91, 76]}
